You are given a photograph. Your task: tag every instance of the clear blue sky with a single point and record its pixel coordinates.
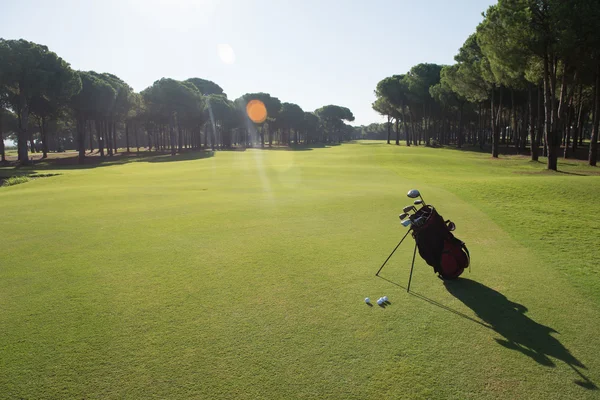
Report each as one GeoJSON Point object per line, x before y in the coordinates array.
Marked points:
{"type": "Point", "coordinates": [307, 52]}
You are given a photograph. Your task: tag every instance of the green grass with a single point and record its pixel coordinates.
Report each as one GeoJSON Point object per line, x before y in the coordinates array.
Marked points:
{"type": "Point", "coordinates": [243, 276]}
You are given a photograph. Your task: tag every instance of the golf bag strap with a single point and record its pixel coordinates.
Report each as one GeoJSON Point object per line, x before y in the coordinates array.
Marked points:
{"type": "Point", "coordinates": [464, 247]}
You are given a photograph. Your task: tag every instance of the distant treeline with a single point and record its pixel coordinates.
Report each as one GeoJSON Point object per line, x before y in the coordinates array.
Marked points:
{"type": "Point", "coordinates": [529, 77]}
{"type": "Point", "coordinates": [46, 106]}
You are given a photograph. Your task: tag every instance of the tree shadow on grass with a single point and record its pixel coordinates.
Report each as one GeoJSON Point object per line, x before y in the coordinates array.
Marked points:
{"type": "Point", "coordinates": [301, 147]}
{"type": "Point", "coordinates": [576, 159]}
{"type": "Point", "coordinates": [188, 156]}
{"type": "Point", "coordinates": [572, 173]}
{"type": "Point", "coordinates": [95, 161]}
{"type": "Point", "coordinates": [508, 319]}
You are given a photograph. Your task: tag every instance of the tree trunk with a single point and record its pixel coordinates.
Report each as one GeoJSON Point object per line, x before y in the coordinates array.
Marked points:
{"type": "Point", "coordinates": [397, 132]}
{"type": "Point", "coordinates": [148, 131]}
{"type": "Point", "coordinates": [213, 139]}
{"type": "Point", "coordinates": [91, 135]}
{"type": "Point", "coordinates": [81, 139]}
{"type": "Point", "coordinates": [262, 136]}
{"type": "Point", "coordinates": [114, 137]}
{"type": "Point", "coordinates": [496, 118]}
{"type": "Point", "coordinates": [424, 126]}
{"type": "Point", "coordinates": [503, 129]}
{"type": "Point", "coordinates": [44, 136]}
{"type": "Point", "coordinates": [127, 135]}
{"type": "Point", "coordinates": [135, 133]}
{"type": "Point", "coordinates": [549, 112]}
{"type": "Point", "coordinates": [99, 132]}
{"type": "Point", "coordinates": [480, 136]}
{"type": "Point", "coordinates": [577, 130]}
{"type": "Point", "coordinates": [513, 122]}
{"type": "Point", "coordinates": [534, 155]}
{"type": "Point", "coordinates": [414, 132]}
{"type": "Point", "coordinates": [31, 144]}
{"type": "Point", "coordinates": [179, 137]}
{"type": "Point", "coordinates": [388, 129]}
{"type": "Point", "coordinates": [108, 137]}
{"type": "Point", "coordinates": [23, 119]}
{"type": "Point", "coordinates": [460, 125]}
{"type": "Point", "coordinates": [535, 151]}
{"type": "Point", "coordinates": [405, 126]}
{"type": "Point", "coordinates": [172, 139]}
{"type": "Point", "coordinates": [2, 149]}
{"type": "Point", "coordinates": [568, 130]}
{"type": "Point", "coordinates": [593, 155]}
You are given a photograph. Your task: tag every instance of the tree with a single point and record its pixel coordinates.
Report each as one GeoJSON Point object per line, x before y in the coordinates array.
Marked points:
{"type": "Point", "coordinates": [176, 105]}
{"type": "Point", "coordinates": [135, 118]}
{"type": "Point", "coordinates": [272, 106]}
{"type": "Point", "coordinates": [291, 117]}
{"type": "Point", "coordinates": [392, 96]}
{"type": "Point", "coordinates": [93, 102]}
{"type": "Point", "coordinates": [30, 71]}
{"type": "Point", "coordinates": [332, 118]}
{"type": "Point", "coordinates": [466, 78]}
{"type": "Point", "coordinates": [449, 100]}
{"type": "Point", "coordinates": [385, 108]}
{"type": "Point", "coordinates": [539, 30]}
{"type": "Point", "coordinates": [206, 87]}
{"type": "Point", "coordinates": [220, 112]}
{"type": "Point", "coordinates": [419, 79]}
{"type": "Point", "coordinates": [311, 126]}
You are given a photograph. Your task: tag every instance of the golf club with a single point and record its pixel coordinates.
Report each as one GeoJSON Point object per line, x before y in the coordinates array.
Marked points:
{"type": "Point", "coordinates": [403, 216]}
{"type": "Point", "coordinates": [409, 208]}
{"type": "Point", "coordinates": [414, 193]}
{"type": "Point", "coordinates": [418, 202]}
{"type": "Point", "coordinates": [406, 223]}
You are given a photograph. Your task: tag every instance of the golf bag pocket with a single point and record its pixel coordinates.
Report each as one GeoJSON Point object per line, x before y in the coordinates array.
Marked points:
{"type": "Point", "coordinates": [455, 258]}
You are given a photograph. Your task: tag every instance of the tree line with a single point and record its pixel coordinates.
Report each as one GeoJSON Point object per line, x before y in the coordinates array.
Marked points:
{"type": "Point", "coordinates": [46, 105]}
{"type": "Point", "coordinates": [528, 77]}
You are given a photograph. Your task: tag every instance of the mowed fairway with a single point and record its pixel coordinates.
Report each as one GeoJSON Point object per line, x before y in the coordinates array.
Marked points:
{"type": "Point", "coordinates": [243, 275]}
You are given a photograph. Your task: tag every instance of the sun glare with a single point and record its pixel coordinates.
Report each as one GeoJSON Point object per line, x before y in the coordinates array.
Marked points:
{"type": "Point", "coordinates": [256, 110]}
{"type": "Point", "coordinates": [226, 53]}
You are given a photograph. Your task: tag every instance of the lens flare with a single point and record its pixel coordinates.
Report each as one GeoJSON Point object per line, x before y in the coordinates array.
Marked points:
{"type": "Point", "coordinates": [257, 112]}
{"type": "Point", "coordinates": [226, 54]}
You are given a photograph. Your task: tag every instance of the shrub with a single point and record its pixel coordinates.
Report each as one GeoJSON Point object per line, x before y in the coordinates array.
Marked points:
{"type": "Point", "coordinates": [15, 180]}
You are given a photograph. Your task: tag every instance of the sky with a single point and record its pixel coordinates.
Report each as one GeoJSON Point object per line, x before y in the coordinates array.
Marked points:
{"type": "Point", "coordinates": [310, 52]}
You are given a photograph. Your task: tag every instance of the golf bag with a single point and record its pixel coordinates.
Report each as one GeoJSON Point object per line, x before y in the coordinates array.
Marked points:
{"type": "Point", "coordinates": [437, 245]}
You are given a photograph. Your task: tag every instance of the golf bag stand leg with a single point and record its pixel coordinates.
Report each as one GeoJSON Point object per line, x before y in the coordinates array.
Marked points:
{"type": "Point", "coordinates": [390, 256]}
{"type": "Point", "coordinates": [411, 267]}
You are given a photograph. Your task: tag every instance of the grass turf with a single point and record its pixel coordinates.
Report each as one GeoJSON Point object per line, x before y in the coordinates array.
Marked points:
{"type": "Point", "coordinates": [243, 276]}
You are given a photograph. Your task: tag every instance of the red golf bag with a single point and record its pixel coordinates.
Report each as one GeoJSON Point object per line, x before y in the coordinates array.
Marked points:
{"type": "Point", "coordinates": [448, 255]}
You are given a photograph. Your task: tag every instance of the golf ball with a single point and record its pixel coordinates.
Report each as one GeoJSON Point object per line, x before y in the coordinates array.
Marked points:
{"type": "Point", "coordinates": [367, 300]}
{"type": "Point", "coordinates": [380, 301]}
{"type": "Point", "coordinates": [385, 298]}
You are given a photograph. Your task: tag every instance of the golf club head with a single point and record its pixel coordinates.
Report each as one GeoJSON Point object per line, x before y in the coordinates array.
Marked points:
{"type": "Point", "coordinates": [406, 223]}
{"type": "Point", "coordinates": [403, 216]}
{"type": "Point", "coordinates": [418, 202]}
{"type": "Point", "coordinates": [414, 193]}
{"type": "Point", "coordinates": [408, 209]}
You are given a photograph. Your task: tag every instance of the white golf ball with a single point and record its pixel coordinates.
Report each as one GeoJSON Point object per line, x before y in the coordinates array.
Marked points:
{"type": "Point", "coordinates": [385, 298]}
{"type": "Point", "coordinates": [367, 300]}
{"type": "Point", "coordinates": [380, 301]}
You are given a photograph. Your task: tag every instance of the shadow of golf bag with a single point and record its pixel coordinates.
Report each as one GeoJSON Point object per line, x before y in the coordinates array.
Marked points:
{"type": "Point", "coordinates": [448, 255]}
